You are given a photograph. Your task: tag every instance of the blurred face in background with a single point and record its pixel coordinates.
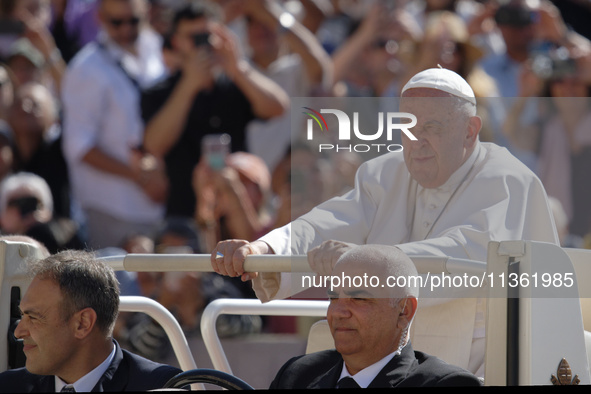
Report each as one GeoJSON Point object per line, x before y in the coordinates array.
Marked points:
{"type": "Point", "coordinates": [31, 114]}
{"type": "Point", "coordinates": [387, 54]}
{"type": "Point", "coordinates": [568, 86]}
{"type": "Point", "coordinates": [183, 39]}
{"type": "Point", "coordinates": [517, 23]}
{"type": "Point", "coordinates": [382, 56]}
{"type": "Point", "coordinates": [24, 70]}
{"type": "Point", "coordinates": [122, 20]}
{"type": "Point", "coordinates": [262, 40]}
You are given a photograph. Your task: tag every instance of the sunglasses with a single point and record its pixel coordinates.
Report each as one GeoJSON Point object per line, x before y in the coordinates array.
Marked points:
{"type": "Point", "coordinates": [118, 22]}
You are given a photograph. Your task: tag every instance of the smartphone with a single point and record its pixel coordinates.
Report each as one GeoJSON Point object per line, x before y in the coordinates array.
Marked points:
{"type": "Point", "coordinates": [11, 26]}
{"type": "Point", "coordinates": [215, 148]}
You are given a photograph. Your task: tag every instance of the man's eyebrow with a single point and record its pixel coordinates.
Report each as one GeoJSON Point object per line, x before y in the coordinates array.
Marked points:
{"type": "Point", "coordinates": [353, 293]}
{"type": "Point", "coordinates": [30, 312]}
{"type": "Point", "coordinates": [433, 122]}
{"type": "Point", "coordinates": [358, 293]}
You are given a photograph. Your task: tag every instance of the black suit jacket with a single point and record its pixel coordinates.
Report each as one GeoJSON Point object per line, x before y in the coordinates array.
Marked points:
{"type": "Point", "coordinates": [127, 372]}
{"type": "Point", "coordinates": [409, 369]}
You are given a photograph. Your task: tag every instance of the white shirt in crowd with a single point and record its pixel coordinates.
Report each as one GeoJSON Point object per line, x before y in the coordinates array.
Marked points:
{"type": "Point", "coordinates": [102, 109]}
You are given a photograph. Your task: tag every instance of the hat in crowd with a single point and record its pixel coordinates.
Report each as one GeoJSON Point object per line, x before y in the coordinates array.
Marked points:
{"type": "Point", "coordinates": [252, 167]}
{"type": "Point", "coordinates": [444, 80]}
{"type": "Point", "coordinates": [23, 47]}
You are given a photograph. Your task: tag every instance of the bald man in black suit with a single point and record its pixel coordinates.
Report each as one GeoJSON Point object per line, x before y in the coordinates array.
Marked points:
{"type": "Point", "coordinates": [370, 326]}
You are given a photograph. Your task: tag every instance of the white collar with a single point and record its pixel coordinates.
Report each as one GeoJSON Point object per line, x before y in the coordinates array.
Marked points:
{"type": "Point", "coordinates": [88, 381]}
{"type": "Point", "coordinates": [368, 374]}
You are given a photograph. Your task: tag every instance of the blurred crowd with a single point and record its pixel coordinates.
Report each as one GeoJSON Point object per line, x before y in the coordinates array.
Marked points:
{"type": "Point", "coordinates": [164, 126]}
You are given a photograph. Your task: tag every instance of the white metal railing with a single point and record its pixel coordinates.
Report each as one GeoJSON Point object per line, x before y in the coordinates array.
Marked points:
{"type": "Point", "coordinates": [261, 263]}
{"type": "Point", "coordinates": [170, 325]}
{"type": "Point", "coordinates": [249, 307]}
{"type": "Point", "coordinates": [537, 353]}
{"type": "Point", "coordinates": [271, 263]}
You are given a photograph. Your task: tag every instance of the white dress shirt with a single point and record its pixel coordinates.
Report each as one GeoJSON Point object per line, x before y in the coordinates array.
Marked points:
{"type": "Point", "coordinates": [364, 377]}
{"type": "Point", "coordinates": [86, 383]}
{"type": "Point", "coordinates": [102, 110]}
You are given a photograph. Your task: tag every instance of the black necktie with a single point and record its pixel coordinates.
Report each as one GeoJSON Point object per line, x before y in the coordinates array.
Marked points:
{"type": "Point", "coordinates": [68, 389]}
{"type": "Point", "coordinates": [347, 383]}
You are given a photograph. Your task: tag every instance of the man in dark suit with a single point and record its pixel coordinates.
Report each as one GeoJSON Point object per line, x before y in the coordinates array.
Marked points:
{"type": "Point", "coordinates": [68, 314]}
{"type": "Point", "coordinates": [372, 304]}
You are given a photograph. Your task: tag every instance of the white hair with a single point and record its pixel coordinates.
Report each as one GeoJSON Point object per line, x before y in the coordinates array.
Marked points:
{"type": "Point", "coordinates": [25, 184]}
{"type": "Point", "coordinates": [464, 106]}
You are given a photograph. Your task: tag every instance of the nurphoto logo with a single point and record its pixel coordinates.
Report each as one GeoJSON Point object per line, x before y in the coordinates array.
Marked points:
{"type": "Point", "coordinates": [392, 122]}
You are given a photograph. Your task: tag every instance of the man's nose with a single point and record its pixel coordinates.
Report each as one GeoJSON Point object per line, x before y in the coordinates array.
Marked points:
{"type": "Point", "coordinates": [21, 330]}
{"type": "Point", "coordinates": [339, 308]}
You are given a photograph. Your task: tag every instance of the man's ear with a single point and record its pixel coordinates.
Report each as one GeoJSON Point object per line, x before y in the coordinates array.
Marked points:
{"type": "Point", "coordinates": [474, 126]}
{"type": "Point", "coordinates": [409, 308]}
{"type": "Point", "coordinates": [84, 322]}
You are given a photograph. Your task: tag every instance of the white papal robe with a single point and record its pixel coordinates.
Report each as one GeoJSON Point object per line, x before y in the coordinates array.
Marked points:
{"type": "Point", "coordinates": [491, 197]}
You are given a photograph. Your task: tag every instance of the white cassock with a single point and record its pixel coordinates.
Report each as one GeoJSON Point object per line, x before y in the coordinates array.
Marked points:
{"type": "Point", "coordinates": [491, 197]}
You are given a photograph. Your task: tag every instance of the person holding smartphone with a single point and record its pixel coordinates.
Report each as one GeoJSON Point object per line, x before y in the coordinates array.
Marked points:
{"type": "Point", "coordinates": [27, 23]}
{"type": "Point", "coordinates": [212, 91]}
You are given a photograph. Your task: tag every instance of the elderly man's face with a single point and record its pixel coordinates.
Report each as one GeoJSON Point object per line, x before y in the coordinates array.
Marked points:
{"type": "Point", "coordinates": [445, 136]}
{"type": "Point", "coordinates": [364, 322]}
{"type": "Point", "coordinates": [49, 342]}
